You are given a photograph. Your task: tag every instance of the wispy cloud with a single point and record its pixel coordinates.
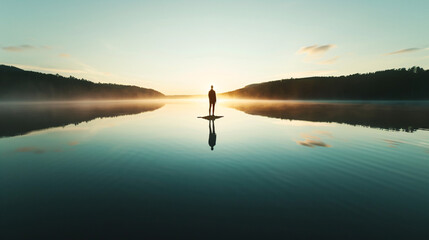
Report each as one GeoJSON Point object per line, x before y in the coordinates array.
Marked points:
{"type": "Point", "coordinates": [329, 61]}
{"type": "Point", "coordinates": [64, 55]}
{"type": "Point", "coordinates": [19, 48]}
{"type": "Point", "coordinates": [407, 50]}
{"type": "Point", "coordinates": [316, 49]}
{"type": "Point", "coordinates": [314, 54]}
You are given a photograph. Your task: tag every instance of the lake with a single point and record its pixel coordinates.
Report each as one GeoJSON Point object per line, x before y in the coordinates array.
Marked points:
{"type": "Point", "coordinates": [267, 169]}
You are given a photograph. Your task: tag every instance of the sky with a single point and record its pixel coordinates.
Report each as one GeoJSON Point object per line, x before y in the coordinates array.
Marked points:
{"type": "Point", "coordinates": [183, 47]}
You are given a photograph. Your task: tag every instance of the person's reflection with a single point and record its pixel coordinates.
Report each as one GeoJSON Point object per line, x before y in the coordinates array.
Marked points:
{"type": "Point", "coordinates": [212, 134]}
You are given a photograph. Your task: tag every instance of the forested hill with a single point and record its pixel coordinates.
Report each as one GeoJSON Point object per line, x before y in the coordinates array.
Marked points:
{"type": "Point", "coordinates": [395, 84]}
{"type": "Point", "coordinates": [18, 84]}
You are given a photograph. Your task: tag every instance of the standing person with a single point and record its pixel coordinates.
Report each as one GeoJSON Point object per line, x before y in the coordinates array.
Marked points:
{"type": "Point", "coordinates": [212, 100]}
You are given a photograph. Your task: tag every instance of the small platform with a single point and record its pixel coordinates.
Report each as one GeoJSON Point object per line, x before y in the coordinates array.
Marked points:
{"type": "Point", "coordinates": [211, 117]}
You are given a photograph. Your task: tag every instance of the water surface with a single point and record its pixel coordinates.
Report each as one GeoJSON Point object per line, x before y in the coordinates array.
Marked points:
{"type": "Point", "coordinates": [84, 170]}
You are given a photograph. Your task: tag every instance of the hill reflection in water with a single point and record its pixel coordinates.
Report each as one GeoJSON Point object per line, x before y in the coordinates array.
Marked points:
{"type": "Point", "coordinates": [23, 118]}
{"type": "Point", "coordinates": [399, 116]}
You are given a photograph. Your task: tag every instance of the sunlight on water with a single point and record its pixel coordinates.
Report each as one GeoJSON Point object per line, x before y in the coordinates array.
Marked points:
{"type": "Point", "coordinates": [275, 167]}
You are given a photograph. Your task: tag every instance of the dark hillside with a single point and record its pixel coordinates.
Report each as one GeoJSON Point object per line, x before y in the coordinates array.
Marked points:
{"type": "Point", "coordinates": [17, 84]}
{"type": "Point", "coordinates": [395, 84]}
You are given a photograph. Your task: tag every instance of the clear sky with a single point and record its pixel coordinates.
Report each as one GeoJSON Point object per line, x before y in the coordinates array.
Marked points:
{"type": "Point", "coordinates": [182, 47]}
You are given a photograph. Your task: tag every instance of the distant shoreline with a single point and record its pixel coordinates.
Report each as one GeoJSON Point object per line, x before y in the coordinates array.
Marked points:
{"type": "Point", "coordinates": [17, 85]}
{"type": "Point", "coordinates": [394, 84]}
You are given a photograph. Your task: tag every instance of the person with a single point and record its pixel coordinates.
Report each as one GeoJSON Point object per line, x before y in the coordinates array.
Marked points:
{"type": "Point", "coordinates": [212, 135]}
{"type": "Point", "coordinates": [212, 101]}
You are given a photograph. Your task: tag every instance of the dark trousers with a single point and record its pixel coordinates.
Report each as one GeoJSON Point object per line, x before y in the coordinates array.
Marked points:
{"type": "Point", "coordinates": [210, 107]}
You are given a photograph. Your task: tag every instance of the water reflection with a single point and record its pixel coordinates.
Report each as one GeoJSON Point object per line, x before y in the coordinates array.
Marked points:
{"type": "Point", "coordinates": [306, 179]}
{"type": "Point", "coordinates": [403, 116]}
{"type": "Point", "coordinates": [19, 118]}
{"type": "Point", "coordinates": [212, 134]}
{"type": "Point", "coordinates": [312, 140]}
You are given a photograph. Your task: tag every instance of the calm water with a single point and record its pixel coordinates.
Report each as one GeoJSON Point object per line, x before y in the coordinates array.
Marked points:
{"type": "Point", "coordinates": [285, 170]}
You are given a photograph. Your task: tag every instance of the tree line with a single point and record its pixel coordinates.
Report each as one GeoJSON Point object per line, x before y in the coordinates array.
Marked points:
{"type": "Point", "coordinates": [18, 84]}
{"type": "Point", "coordinates": [394, 84]}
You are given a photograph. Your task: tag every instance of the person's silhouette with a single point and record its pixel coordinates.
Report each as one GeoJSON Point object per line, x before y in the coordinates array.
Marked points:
{"type": "Point", "coordinates": [212, 135]}
{"type": "Point", "coordinates": [212, 101]}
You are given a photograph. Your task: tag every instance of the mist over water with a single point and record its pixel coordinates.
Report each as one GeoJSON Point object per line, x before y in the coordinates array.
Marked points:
{"type": "Point", "coordinates": [277, 168]}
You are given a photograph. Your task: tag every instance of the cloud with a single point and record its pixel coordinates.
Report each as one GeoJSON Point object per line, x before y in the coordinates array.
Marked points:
{"type": "Point", "coordinates": [329, 61]}
{"type": "Point", "coordinates": [19, 48]}
{"type": "Point", "coordinates": [316, 49]}
{"type": "Point", "coordinates": [64, 55]}
{"type": "Point", "coordinates": [407, 50]}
